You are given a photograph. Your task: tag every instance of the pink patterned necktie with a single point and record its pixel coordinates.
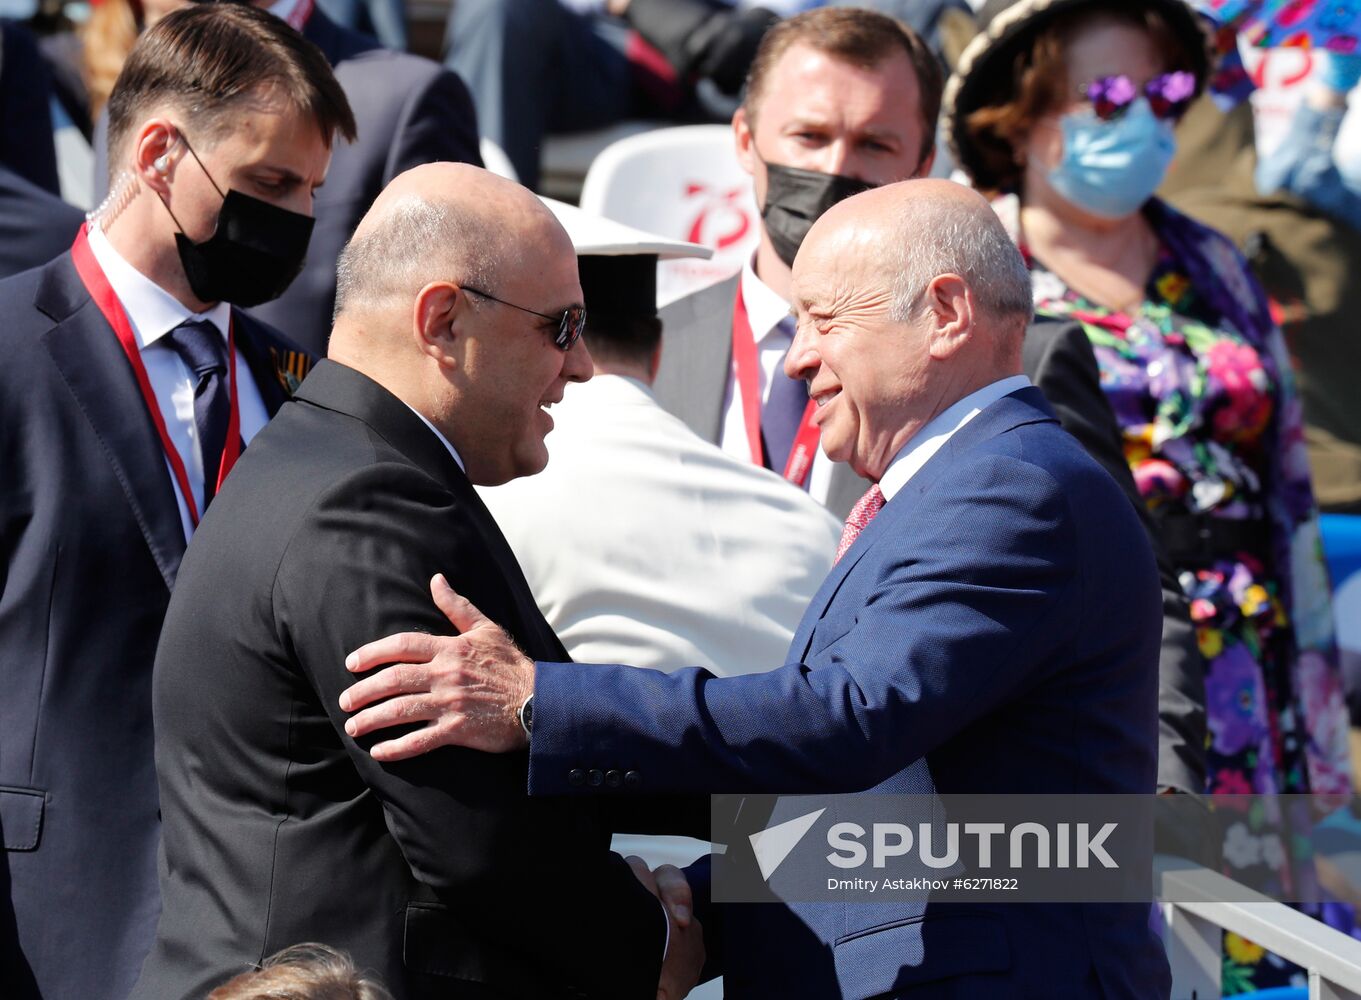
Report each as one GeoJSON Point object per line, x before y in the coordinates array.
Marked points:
{"type": "Point", "coordinates": [861, 515]}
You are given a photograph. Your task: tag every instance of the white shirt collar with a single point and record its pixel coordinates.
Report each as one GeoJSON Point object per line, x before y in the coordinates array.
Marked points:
{"type": "Point", "coordinates": [765, 309]}
{"type": "Point", "coordinates": [931, 438]}
{"type": "Point", "coordinates": [436, 431]}
{"type": "Point", "coordinates": [152, 311]}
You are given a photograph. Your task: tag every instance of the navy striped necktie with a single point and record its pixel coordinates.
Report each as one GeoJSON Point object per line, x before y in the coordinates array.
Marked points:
{"type": "Point", "coordinates": [203, 349]}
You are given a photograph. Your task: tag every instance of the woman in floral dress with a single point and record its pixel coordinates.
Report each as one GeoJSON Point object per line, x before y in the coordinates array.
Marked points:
{"type": "Point", "coordinates": [1064, 110]}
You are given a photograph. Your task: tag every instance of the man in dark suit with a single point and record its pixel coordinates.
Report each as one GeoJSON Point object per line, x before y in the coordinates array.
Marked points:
{"type": "Point", "coordinates": [408, 111]}
{"type": "Point", "coordinates": [991, 627]}
{"type": "Point", "coordinates": [846, 99]}
{"type": "Point", "coordinates": [806, 84]}
{"type": "Point", "coordinates": [122, 405]}
{"type": "Point", "coordinates": [35, 225]}
{"type": "Point", "coordinates": [279, 827]}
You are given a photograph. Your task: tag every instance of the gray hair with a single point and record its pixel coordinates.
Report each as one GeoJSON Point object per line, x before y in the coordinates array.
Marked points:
{"type": "Point", "coordinates": [415, 242]}
{"type": "Point", "coordinates": [938, 236]}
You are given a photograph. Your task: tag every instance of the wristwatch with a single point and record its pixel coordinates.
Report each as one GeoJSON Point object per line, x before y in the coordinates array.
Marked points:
{"type": "Point", "coordinates": [526, 715]}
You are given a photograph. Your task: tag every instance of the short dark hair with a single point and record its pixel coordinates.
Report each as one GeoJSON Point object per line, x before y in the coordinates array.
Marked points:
{"type": "Point", "coordinates": [627, 340]}
{"type": "Point", "coordinates": [207, 58]}
{"type": "Point", "coordinates": [860, 37]}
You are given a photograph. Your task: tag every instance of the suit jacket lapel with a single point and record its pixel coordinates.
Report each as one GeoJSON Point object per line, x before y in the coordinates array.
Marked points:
{"type": "Point", "coordinates": [86, 352]}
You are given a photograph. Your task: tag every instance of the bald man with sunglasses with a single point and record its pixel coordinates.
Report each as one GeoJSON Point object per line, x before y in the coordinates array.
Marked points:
{"type": "Point", "coordinates": [458, 326]}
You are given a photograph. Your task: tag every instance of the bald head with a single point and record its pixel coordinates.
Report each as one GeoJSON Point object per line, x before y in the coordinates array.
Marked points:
{"type": "Point", "coordinates": [454, 295]}
{"type": "Point", "coordinates": [910, 297]}
{"type": "Point", "coordinates": [925, 228]}
{"type": "Point", "coordinates": [439, 222]}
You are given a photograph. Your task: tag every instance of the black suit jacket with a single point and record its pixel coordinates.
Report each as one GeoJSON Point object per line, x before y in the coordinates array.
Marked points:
{"type": "Point", "coordinates": [1058, 358]}
{"type": "Point", "coordinates": [90, 544]}
{"type": "Point", "coordinates": [35, 226]}
{"type": "Point", "coordinates": [408, 111]}
{"type": "Point", "coordinates": [26, 144]}
{"type": "Point", "coordinates": [439, 873]}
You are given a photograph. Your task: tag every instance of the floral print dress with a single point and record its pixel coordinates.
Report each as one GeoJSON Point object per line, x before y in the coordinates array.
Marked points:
{"type": "Point", "coordinates": [1201, 386]}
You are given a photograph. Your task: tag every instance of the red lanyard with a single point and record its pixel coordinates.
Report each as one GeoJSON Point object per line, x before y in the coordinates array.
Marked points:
{"type": "Point", "coordinates": [298, 19]}
{"type": "Point", "coordinates": [749, 385]}
{"type": "Point", "coordinates": [97, 284]}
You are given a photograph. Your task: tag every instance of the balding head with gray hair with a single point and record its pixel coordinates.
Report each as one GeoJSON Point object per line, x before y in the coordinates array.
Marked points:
{"type": "Point", "coordinates": [910, 298]}
{"type": "Point", "coordinates": [416, 240]}
{"type": "Point", "coordinates": [938, 236]}
{"type": "Point", "coordinates": [452, 295]}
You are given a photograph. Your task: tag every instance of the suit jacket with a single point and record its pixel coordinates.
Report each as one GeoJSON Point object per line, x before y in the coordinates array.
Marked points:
{"type": "Point", "coordinates": [35, 226]}
{"type": "Point", "coordinates": [408, 110]}
{"type": "Point", "coordinates": [631, 576]}
{"type": "Point", "coordinates": [1059, 360]}
{"type": "Point", "coordinates": [954, 650]}
{"type": "Point", "coordinates": [90, 544]}
{"type": "Point", "coordinates": [278, 827]}
{"type": "Point", "coordinates": [26, 144]}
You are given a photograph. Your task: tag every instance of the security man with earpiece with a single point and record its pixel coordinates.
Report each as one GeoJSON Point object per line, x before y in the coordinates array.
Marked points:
{"type": "Point", "coordinates": [131, 382]}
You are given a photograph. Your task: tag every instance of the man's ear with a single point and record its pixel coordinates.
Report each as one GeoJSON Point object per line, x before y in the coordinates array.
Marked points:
{"type": "Point", "coordinates": [952, 307]}
{"type": "Point", "coordinates": [437, 319]}
{"type": "Point", "coordinates": [654, 364]}
{"type": "Point", "coordinates": [156, 151]}
{"type": "Point", "coordinates": [924, 168]}
{"type": "Point", "coordinates": [744, 141]}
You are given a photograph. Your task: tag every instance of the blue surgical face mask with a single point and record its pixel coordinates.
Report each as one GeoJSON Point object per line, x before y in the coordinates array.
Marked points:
{"type": "Point", "coordinates": [1110, 168]}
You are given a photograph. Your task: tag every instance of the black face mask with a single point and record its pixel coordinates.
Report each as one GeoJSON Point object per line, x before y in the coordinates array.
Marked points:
{"type": "Point", "coordinates": [254, 253]}
{"type": "Point", "coordinates": [795, 199]}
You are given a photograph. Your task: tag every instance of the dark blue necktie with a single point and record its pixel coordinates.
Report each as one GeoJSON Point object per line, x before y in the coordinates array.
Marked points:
{"type": "Point", "coordinates": [204, 350]}
{"type": "Point", "coordinates": [782, 414]}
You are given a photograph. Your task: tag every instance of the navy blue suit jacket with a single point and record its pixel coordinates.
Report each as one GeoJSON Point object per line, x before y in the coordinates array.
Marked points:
{"type": "Point", "coordinates": [90, 542]}
{"type": "Point", "coordinates": [994, 630]}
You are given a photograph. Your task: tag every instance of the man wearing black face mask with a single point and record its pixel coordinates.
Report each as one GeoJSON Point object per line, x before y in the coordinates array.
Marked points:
{"type": "Point", "coordinates": [130, 384]}
{"type": "Point", "coordinates": [838, 100]}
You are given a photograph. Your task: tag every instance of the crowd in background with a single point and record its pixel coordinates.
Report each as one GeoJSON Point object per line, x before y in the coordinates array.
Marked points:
{"type": "Point", "coordinates": [1214, 286]}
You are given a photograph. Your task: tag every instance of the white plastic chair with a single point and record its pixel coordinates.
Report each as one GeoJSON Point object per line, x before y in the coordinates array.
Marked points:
{"type": "Point", "coordinates": [685, 183]}
{"type": "Point", "coordinates": [494, 158]}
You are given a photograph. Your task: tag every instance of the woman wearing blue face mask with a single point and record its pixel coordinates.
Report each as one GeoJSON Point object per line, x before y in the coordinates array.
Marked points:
{"type": "Point", "coordinates": [1065, 110]}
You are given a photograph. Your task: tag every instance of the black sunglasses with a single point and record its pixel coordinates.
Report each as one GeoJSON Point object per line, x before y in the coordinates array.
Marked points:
{"type": "Point", "coordinates": [571, 324]}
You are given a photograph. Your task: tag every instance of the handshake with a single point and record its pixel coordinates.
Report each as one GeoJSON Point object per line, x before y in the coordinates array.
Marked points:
{"type": "Point", "coordinates": [685, 936]}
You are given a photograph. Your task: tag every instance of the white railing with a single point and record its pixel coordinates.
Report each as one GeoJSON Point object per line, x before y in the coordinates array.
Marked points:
{"type": "Point", "coordinates": [1200, 915]}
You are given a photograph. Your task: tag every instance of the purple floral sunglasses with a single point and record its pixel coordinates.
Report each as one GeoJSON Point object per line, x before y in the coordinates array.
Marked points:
{"type": "Point", "coordinates": [1168, 94]}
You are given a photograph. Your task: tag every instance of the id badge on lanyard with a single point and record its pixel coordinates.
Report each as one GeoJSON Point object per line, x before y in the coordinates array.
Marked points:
{"type": "Point", "coordinates": [101, 292]}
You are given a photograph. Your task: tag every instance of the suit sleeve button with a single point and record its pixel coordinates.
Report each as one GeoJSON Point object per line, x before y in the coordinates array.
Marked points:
{"type": "Point", "coordinates": [634, 780]}
{"type": "Point", "coordinates": [576, 777]}
{"type": "Point", "coordinates": [595, 778]}
{"type": "Point", "coordinates": [614, 779]}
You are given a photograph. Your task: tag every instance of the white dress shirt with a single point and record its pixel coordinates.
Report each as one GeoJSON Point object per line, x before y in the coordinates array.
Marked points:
{"type": "Point", "coordinates": [939, 429]}
{"type": "Point", "coordinates": [154, 312]}
{"type": "Point", "coordinates": [766, 312]}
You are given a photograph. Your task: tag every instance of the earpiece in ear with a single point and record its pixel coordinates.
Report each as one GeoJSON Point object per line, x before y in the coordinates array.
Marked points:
{"type": "Point", "coordinates": [162, 163]}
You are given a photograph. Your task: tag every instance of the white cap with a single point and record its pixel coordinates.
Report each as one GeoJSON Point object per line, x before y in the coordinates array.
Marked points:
{"type": "Point", "coordinates": [597, 236]}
